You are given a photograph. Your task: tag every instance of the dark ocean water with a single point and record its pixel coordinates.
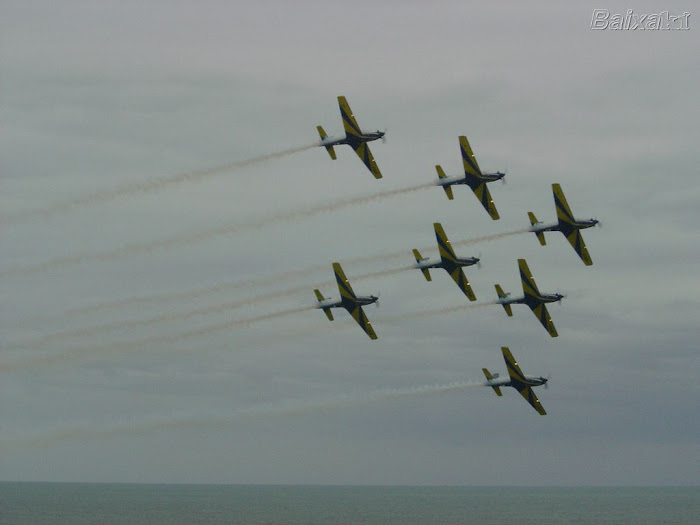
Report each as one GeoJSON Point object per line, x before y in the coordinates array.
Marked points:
{"type": "Point", "coordinates": [106, 503]}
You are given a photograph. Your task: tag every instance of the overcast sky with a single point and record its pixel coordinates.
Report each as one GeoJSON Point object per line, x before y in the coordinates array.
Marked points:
{"type": "Point", "coordinates": [101, 96]}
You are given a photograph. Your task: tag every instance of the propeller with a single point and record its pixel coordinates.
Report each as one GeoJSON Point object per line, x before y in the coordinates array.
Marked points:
{"type": "Point", "coordinates": [546, 385]}
{"type": "Point", "coordinates": [503, 179]}
{"type": "Point", "coordinates": [384, 136]}
{"type": "Point", "coordinates": [478, 263]}
{"type": "Point", "coordinates": [376, 303]}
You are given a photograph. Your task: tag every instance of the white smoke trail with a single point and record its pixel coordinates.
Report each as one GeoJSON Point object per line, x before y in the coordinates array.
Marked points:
{"type": "Point", "coordinates": [487, 238]}
{"type": "Point", "coordinates": [230, 229]}
{"type": "Point", "coordinates": [286, 408]}
{"type": "Point", "coordinates": [140, 344]}
{"type": "Point", "coordinates": [173, 316]}
{"type": "Point", "coordinates": [154, 184]}
{"type": "Point", "coordinates": [439, 311]}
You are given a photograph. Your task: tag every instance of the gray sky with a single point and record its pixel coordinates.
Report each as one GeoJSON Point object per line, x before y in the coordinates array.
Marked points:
{"type": "Point", "coordinates": [104, 95]}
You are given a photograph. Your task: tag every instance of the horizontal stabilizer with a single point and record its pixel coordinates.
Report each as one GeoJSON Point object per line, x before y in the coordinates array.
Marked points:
{"type": "Point", "coordinates": [503, 295]}
{"type": "Point", "coordinates": [448, 189]}
{"type": "Point", "coordinates": [324, 135]}
{"type": "Point", "coordinates": [496, 389]}
{"type": "Point", "coordinates": [533, 221]}
{"type": "Point", "coordinates": [328, 313]}
{"type": "Point", "coordinates": [419, 258]}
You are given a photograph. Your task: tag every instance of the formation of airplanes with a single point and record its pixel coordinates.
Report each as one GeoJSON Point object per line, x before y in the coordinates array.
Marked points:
{"type": "Point", "coordinates": [477, 180]}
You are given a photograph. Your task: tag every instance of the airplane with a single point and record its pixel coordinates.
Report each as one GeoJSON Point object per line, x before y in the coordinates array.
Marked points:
{"type": "Point", "coordinates": [448, 261]}
{"type": "Point", "coordinates": [354, 137]}
{"type": "Point", "coordinates": [532, 298]}
{"type": "Point", "coordinates": [473, 177]}
{"type": "Point", "coordinates": [567, 224]}
{"type": "Point", "coordinates": [348, 300]}
{"type": "Point", "coordinates": [517, 380]}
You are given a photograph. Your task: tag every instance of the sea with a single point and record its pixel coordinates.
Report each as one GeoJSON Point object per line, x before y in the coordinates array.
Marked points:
{"type": "Point", "coordinates": [153, 504]}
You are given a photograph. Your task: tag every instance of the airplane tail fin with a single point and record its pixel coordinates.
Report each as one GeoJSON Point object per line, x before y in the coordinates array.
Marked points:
{"type": "Point", "coordinates": [419, 258]}
{"type": "Point", "coordinates": [503, 295]}
{"type": "Point", "coordinates": [533, 221]}
{"type": "Point", "coordinates": [496, 389]}
{"type": "Point", "coordinates": [448, 189]}
{"type": "Point", "coordinates": [326, 311]}
{"type": "Point", "coordinates": [323, 135]}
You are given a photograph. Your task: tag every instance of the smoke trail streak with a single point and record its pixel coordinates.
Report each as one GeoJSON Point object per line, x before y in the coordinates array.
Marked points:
{"type": "Point", "coordinates": [183, 296]}
{"type": "Point", "coordinates": [287, 408]}
{"type": "Point", "coordinates": [194, 294]}
{"type": "Point", "coordinates": [173, 316]}
{"type": "Point", "coordinates": [93, 351]}
{"type": "Point", "coordinates": [439, 311]}
{"type": "Point", "coordinates": [258, 281]}
{"type": "Point", "coordinates": [154, 184]}
{"type": "Point", "coordinates": [493, 237]}
{"type": "Point", "coordinates": [179, 240]}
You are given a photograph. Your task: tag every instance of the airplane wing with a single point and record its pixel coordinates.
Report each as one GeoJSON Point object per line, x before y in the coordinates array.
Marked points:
{"type": "Point", "coordinates": [352, 128]}
{"type": "Point", "coordinates": [458, 276]}
{"type": "Point", "coordinates": [531, 398]}
{"type": "Point", "coordinates": [514, 371]}
{"type": "Point", "coordinates": [359, 315]}
{"type": "Point", "coordinates": [349, 122]}
{"type": "Point", "coordinates": [576, 240]}
{"type": "Point", "coordinates": [468, 159]}
{"type": "Point", "coordinates": [542, 314]}
{"type": "Point", "coordinates": [563, 210]}
{"type": "Point", "coordinates": [343, 284]}
{"type": "Point", "coordinates": [529, 286]}
{"type": "Point", "coordinates": [365, 155]}
{"type": "Point", "coordinates": [564, 215]}
{"type": "Point", "coordinates": [518, 381]}
{"type": "Point", "coordinates": [444, 246]}
{"type": "Point", "coordinates": [484, 195]}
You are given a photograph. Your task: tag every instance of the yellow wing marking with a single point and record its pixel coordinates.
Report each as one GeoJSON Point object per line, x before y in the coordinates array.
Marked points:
{"type": "Point", "coordinates": [343, 283]}
{"type": "Point", "coordinates": [468, 159]}
{"type": "Point", "coordinates": [359, 315]}
{"type": "Point", "coordinates": [529, 286]}
{"type": "Point", "coordinates": [458, 276]}
{"type": "Point", "coordinates": [349, 123]}
{"type": "Point", "coordinates": [542, 314]}
{"type": "Point", "coordinates": [576, 240]}
{"type": "Point", "coordinates": [531, 398]}
{"type": "Point", "coordinates": [444, 246]}
{"type": "Point", "coordinates": [484, 195]}
{"type": "Point", "coordinates": [563, 209]}
{"type": "Point", "coordinates": [366, 156]}
{"type": "Point", "coordinates": [512, 365]}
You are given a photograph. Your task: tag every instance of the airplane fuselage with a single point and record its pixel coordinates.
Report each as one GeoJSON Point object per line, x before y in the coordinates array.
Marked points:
{"type": "Point", "coordinates": [507, 381]}
{"type": "Point", "coordinates": [348, 303]}
{"type": "Point", "coordinates": [564, 227]}
{"type": "Point", "coordinates": [470, 180]}
{"type": "Point", "coordinates": [531, 300]}
{"type": "Point", "coordinates": [352, 140]}
{"type": "Point", "coordinates": [427, 264]}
